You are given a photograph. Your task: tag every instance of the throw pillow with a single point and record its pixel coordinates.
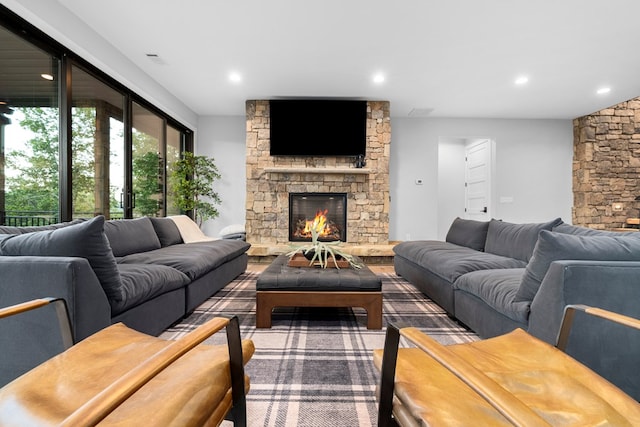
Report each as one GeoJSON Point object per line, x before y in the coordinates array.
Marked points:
{"type": "Point", "coordinates": [130, 236]}
{"type": "Point", "coordinates": [585, 231]}
{"type": "Point", "coordinates": [553, 246]}
{"type": "Point", "coordinates": [84, 240]}
{"type": "Point", "coordinates": [469, 233]}
{"type": "Point", "coordinates": [515, 240]}
{"type": "Point", "coordinates": [167, 231]}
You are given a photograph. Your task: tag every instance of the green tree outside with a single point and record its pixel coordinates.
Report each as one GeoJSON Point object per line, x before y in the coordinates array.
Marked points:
{"type": "Point", "coordinates": [33, 183]}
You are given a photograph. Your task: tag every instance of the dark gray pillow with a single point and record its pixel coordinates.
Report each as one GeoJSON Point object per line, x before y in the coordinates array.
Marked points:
{"type": "Point", "coordinates": [84, 240]}
{"type": "Point", "coordinates": [515, 240]}
{"type": "Point", "coordinates": [22, 230]}
{"type": "Point", "coordinates": [469, 233]}
{"type": "Point", "coordinates": [584, 231]}
{"type": "Point", "coordinates": [553, 246]}
{"type": "Point", "coordinates": [131, 236]}
{"type": "Point", "coordinates": [167, 231]}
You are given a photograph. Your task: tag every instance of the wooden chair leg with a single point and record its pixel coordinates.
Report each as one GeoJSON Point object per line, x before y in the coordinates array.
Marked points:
{"type": "Point", "coordinates": [234, 341]}
{"type": "Point", "coordinates": [387, 377]}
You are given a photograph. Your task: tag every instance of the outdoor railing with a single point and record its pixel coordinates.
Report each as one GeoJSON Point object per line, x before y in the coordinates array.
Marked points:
{"type": "Point", "coordinates": [40, 218]}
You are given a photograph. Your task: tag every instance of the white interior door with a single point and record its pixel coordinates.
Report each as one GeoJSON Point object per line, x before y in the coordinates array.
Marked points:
{"type": "Point", "coordinates": [478, 167]}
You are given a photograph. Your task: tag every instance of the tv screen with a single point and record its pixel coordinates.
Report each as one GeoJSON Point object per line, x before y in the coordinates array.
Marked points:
{"type": "Point", "coordinates": [313, 127]}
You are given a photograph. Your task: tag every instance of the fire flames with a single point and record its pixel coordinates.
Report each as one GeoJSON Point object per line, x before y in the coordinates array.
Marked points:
{"type": "Point", "coordinates": [319, 223]}
{"type": "Point", "coordinates": [325, 228]}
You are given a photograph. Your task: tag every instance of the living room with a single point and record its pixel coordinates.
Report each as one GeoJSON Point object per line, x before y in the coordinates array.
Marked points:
{"type": "Point", "coordinates": [537, 129]}
{"type": "Point", "coordinates": [525, 144]}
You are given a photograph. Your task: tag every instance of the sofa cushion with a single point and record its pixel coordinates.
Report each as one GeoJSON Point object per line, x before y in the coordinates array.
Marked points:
{"type": "Point", "coordinates": [167, 231]}
{"type": "Point", "coordinates": [497, 289]}
{"type": "Point", "coordinates": [141, 282]}
{"type": "Point", "coordinates": [22, 230]}
{"type": "Point", "coordinates": [193, 259]}
{"type": "Point", "coordinates": [83, 240]}
{"type": "Point", "coordinates": [129, 236]}
{"type": "Point", "coordinates": [553, 246]}
{"type": "Point", "coordinates": [515, 240]}
{"type": "Point", "coordinates": [449, 261]}
{"type": "Point", "coordinates": [469, 233]}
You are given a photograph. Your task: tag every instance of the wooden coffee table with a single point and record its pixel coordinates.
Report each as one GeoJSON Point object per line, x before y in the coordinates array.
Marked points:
{"type": "Point", "coordinates": [283, 286]}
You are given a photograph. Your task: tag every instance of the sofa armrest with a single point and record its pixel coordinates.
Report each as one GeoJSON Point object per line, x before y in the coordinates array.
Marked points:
{"type": "Point", "coordinates": [609, 349]}
{"type": "Point", "coordinates": [29, 339]}
{"type": "Point", "coordinates": [611, 285]}
{"type": "Point", "coordinates": [72, 279]}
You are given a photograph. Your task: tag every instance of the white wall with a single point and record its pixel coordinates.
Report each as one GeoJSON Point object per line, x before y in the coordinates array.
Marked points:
{"type": "Point", "coordinates": [451, 191]}
{"type": "Point", "coordinates": [533, 165]}
{"type": "Point", "coordinates": [223, 138]}
{"type": "Point", "coordinates": [65, 27]}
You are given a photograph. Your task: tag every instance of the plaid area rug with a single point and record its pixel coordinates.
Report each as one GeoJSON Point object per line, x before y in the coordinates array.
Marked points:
{"type": "Point", "coordinates": [314, 367]}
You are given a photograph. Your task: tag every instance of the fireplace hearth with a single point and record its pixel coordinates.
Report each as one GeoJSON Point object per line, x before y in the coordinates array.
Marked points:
{"type": "Point", "coordinates": [326, 212]}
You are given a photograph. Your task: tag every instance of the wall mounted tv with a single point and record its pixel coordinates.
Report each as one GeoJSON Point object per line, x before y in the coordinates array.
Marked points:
{"type": "Point", "coordinates": [318, 127]}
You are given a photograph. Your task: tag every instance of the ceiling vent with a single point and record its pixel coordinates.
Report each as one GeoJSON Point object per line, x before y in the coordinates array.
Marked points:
{"type": "Point", "coordinates": [155, 58]}
{"type": "Point", "coordinates": [420, 112]}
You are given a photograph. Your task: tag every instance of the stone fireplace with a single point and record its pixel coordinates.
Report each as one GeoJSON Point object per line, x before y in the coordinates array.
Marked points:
{"type": "Point", "coordinates": [270, 180]}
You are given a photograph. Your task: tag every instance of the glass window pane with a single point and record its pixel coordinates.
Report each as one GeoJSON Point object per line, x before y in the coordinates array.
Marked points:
{"type": "Point", "coordinates": [147, 162]}
{"type": "Point", "coordinates": [29, 133]}
{"type": "Point", "coordinates": [174, 148]}
{"type": "Point", "coordinates": [97, 147]}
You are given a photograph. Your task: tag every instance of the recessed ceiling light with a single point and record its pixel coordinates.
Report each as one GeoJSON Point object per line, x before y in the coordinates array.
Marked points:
{"type": "Point", "coordinates": [603, 90]}
{"type": "Point", "coordinates": [235, 77]}
{"type": "Point", "coordinates": [46, 76]}
{"type": "Point", "coordinates": [378, 78]}
{"type": "Point", "coordinates": [522, 80]}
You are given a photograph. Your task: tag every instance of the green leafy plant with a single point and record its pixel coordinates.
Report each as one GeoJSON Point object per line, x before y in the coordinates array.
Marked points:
{"type": "Point", "coordinates": [322, 251]}
{"type": "Point", "coordinates": [192, 179]}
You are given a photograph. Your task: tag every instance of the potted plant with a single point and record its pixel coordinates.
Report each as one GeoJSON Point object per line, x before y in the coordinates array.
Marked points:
{"type": "Point", "coordinates": [320, 251]}
{"type": "Point", "coordinates": [192, 181]}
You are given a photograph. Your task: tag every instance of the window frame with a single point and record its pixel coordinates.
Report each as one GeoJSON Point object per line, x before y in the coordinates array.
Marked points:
{"type": "Point", "coordinates": [68, 59]}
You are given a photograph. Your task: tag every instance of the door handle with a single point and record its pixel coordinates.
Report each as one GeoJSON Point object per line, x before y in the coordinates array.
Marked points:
{"type": "Point", "coordinates": [484, 210]}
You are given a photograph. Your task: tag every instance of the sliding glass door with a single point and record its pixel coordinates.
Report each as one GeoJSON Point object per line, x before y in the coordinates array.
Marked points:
{"type": "Point", "coordinates": [98, 155]}
{"type": "Point", "coordinates": [175, 146]}
{"type": "Point", "coordinates": [147, 142]}
{"type": "Point", "coordinates": [29, 133]}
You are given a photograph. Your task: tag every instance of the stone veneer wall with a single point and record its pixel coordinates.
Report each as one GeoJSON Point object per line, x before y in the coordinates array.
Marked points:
{"type": "Point", "coordinates": [268, 192]}
{"type": "Point", "coordinates": [606, 165]}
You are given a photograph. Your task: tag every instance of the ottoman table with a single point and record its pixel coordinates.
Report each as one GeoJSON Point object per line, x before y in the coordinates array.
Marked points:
{"type": "Point", "coordinates": [282, 286]}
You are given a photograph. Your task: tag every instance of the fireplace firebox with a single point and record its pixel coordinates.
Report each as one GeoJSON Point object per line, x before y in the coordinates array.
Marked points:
{"type": "Point", "coordinates": [327, 212]}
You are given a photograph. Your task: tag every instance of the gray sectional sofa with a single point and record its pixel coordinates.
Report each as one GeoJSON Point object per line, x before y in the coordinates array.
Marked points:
{"type": "Point", "coordinates": [496, 276]}
{"type": "Point", "coordinates": [136, 271]}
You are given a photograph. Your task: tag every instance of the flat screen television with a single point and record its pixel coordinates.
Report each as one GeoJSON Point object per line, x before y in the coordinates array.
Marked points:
{"type": "Point", "coordinates": [312, 127]}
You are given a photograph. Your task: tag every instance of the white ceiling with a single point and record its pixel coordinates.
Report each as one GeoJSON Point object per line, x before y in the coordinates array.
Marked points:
{"type": "Point", "coordinates": [457, 57]}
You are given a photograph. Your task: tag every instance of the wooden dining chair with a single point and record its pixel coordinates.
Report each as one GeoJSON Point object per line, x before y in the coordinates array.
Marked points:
{"type": "Point", "coordinates": [512, 379]}
{"type": "Point", "coordinates": [122, 377]}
